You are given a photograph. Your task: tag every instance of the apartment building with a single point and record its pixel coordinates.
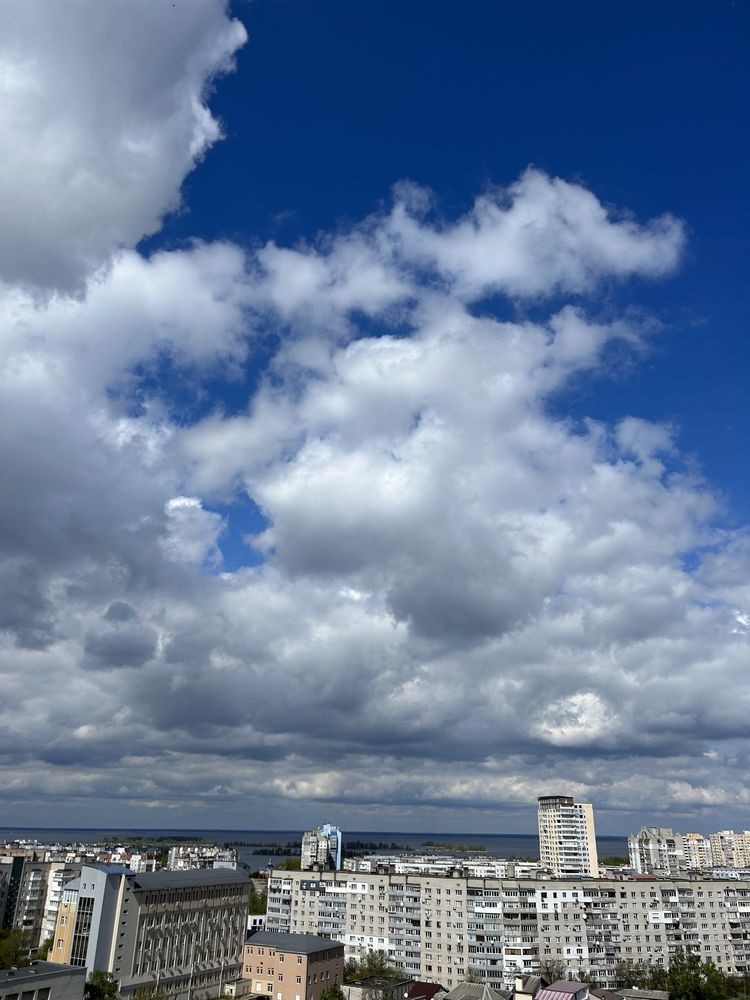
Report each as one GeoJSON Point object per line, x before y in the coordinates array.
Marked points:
{"type": "Point", "coordinates": [432, 864]}
{"type": "Point", "coordinates": [443, 928]}
{"type": "Point", "coordinates": [567, 837]}
{"type": "Point", "coordinates": [322, 847]}
{"type": "Point", "coordinates": [730, 849]}
{"type": "Point", "coordinates": [184, 857]}
{"type": "Point", "coordinates": [33, 891]}
{"type": "Point", "coordinates": [180, 932]}
{"type": "Point", "coordinates": [292, 966]}
{"type": "Point", "coordinates": [656, 850]}
{"type": "Point", "coordinates": [697, 851]}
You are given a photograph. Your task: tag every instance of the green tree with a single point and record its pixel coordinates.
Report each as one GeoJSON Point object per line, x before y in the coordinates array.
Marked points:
{"type": "Point", "coordinates": [44, 948]}
{"type": "Point", "coordinates": [690, 978]}
{"type": "Point", "coordinates": [14, 949]}
{"type": "Point", "coordinates": [149, 993]}
{"type": "Point", "coordinates": [374, 963]}
{"type": "Point", "coordinates": [332, 993]}
{"type": "Point", "coordinates": [290, 865]}
{"type": "Point", "coordinates": [614, 861]}
{"type": "Point", "coordinates": [100, 986]}
{"type": "Point", "coordinates": [257, 902]}
{"type": "Point", "coordinates": [633, 975]}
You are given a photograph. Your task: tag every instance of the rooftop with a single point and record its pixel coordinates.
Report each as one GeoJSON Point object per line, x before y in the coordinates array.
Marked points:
{"type": "Point", "coordinates": [38, 970]}
{"type": "Point", "coordinates": [426, 990]}
{"type": "Point", "coordinates": [563, 989]}
{"type": "Point", "coordinates": [381, 983]}
{"type": "Point", "coordinates": [193, 876]}
{"type": "Point", "coordinates": [300, 944]}
{"type": "Point", "coordinates": [477, 991]}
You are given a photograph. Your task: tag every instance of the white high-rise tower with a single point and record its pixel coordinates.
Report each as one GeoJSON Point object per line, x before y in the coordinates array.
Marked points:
{"type": "Point", "coordinates": [567, 837]}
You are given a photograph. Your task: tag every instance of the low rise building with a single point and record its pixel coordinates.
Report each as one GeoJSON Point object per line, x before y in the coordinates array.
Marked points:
{"type": "Point", "coordinates": [42, 981]}
{"type": "Point", "coordinates": [378, 988]}
{"type": "Point", "coordinates": [292, 966]}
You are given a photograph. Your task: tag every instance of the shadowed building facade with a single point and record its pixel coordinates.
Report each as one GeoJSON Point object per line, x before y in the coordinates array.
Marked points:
{"type": "Point", "coordinates": [180, 932]}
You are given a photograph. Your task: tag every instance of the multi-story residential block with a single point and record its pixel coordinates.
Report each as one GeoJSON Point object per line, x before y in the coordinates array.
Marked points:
{"type": "Point", "coordinates": [179, 932]}
{"type": "Point", "coordinates": [443, 928]}
{"type": "Point", "coordinates": [431, 864]}
{"type": "Point", "coordinates": [32, 895]}
{"type": "Point", "coordinates": [697, 851]}
{"type": "Point", "coordinates": [188, 856]}
{"type": "Point", "coordinates": [58, 877]}
{"type": "Point", "coordinates": [656, 850]}
{"type": "Point", "coordinates": [42, 981]}
{"type": "Point", "coordinates": [567, 836]}
{"type": "Point", "coordinates": [322, 847]}
{"type": "Point", "coordinates": [722, 848]}
{"type": "Point", "coordinates": [292, 966]}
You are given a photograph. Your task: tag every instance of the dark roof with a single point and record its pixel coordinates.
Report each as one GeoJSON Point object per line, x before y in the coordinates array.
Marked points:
{"type": "Point", "coordinates": [426, 990]}
{"type": "Point", "coordinates": [193, 876]}
{"type": "Point", "coordinates": [300, 944]}
{"type": "Point", "coordinates": [532, 984]}
{"type": "Point", "coordinates": [634, 993]}
{"type": "Point", "coordinates": [101, 866]}
{"type": "Point", "coordinates": [38, 969]}
{"type": "Point", "coordinates": [380, 982]}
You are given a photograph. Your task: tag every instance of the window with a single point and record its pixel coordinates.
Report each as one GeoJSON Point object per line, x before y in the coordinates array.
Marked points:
{"type": "Point", "coordinates": [298, 980]}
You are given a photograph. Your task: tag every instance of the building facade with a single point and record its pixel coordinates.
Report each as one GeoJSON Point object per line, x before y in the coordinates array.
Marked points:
{"type": "Point", "coordinates": [180, 932]}
{"type": "Point", "coordinates": [322, 847]}
{"type": "Point", "coordinates": [567, 836]}
{"type": "Point", "coordinates": [292, 966]}
{"type": "Point", "coordinates": [444, 928]}
{"type": "Point", "coordinates": [656, 850]}
{"type": "Point", "coordinates": [33, 891]}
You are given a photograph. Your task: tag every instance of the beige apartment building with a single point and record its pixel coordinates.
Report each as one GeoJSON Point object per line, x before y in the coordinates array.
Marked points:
{"type": "Point", "coordinates": [292, 966]}
{"type": "Point", "coordinates": [567, 836]}
{"type": "Point", "coordinates": [440, 928]}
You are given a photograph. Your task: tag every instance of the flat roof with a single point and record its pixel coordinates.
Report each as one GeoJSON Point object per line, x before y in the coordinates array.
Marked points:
{"type": "Point", "coordinates": [38, 970]}
{"type": "Point", "coordinates": [300, 944]}
{"type": "Point", "coordinates": [201, 877]}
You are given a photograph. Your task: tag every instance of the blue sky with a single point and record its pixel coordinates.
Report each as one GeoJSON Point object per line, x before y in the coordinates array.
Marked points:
{"type": "Point", "coordinates": [376, 377]}
{"type": "Point", "coordinates": [643, 103]}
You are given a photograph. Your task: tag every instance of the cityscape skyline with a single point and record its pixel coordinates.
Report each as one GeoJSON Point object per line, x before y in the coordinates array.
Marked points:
{"type": "Point", "coordinates": [375, 393]}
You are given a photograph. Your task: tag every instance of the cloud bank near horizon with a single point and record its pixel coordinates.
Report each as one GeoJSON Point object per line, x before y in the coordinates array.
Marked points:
{"type": "Point", "coordinates": [458, 597]}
